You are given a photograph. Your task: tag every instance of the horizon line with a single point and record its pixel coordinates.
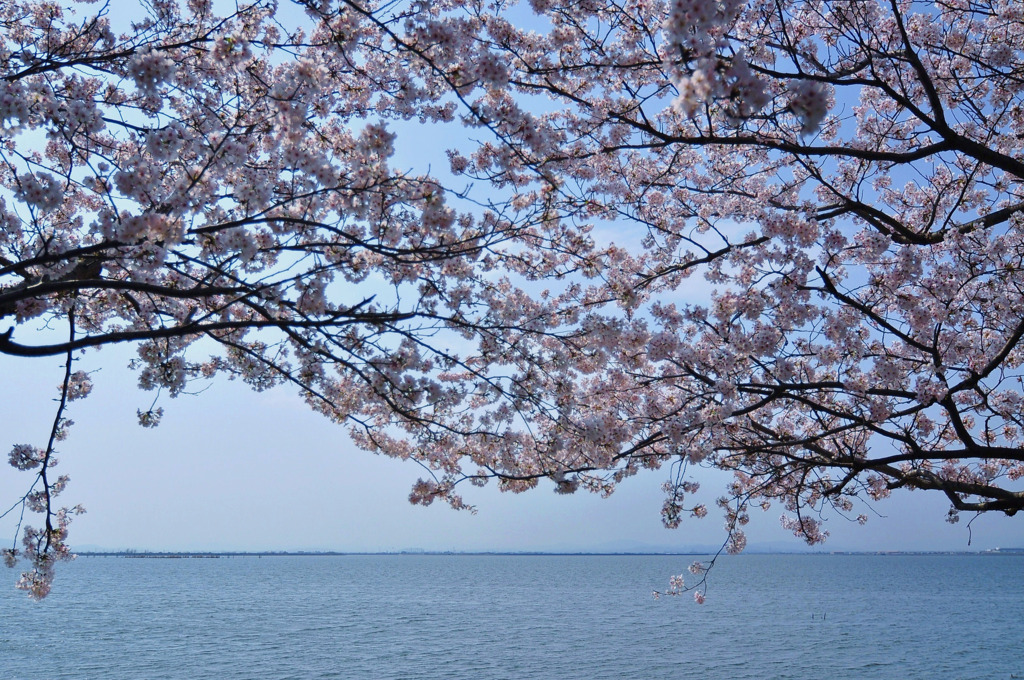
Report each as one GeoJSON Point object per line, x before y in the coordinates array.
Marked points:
{"type": "Point", "coordinates": [131, 552]}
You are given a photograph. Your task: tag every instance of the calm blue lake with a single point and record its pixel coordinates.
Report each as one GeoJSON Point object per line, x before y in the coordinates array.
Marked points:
{"type": "Point", "coordinates": [462, 616]}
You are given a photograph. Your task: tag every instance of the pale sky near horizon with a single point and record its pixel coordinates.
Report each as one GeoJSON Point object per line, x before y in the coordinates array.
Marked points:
{"type": "Point", "coordinates": [231, 469]}
{"type": "Point", "coordinates": [235, 470]}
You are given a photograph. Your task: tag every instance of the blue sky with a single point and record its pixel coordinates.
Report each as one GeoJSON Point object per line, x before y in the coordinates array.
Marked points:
{"type": "Point", "coordinates": [236, 470]}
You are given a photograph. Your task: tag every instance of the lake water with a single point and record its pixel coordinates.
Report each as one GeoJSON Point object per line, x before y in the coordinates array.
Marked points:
{"type": "Point", "coordinates": [467, 616]}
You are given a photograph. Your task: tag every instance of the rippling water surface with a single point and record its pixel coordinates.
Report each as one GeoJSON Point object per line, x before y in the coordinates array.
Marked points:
{"type": "Point", "coordinates": [465, 616]}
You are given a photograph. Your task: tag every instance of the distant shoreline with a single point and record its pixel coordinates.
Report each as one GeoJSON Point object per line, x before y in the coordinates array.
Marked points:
{"type": "Point", "coordinates": [154, 554]}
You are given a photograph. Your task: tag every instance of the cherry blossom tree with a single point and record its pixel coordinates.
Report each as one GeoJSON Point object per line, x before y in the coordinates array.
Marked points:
{"type": "Point", "coordinates": [845, 175]}
{"type": "Point", "coordinates": [216, 190]}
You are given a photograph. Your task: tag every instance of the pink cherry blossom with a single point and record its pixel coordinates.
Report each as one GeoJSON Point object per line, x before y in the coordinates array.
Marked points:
{"type": "Point", "coordinates": [778, 239]}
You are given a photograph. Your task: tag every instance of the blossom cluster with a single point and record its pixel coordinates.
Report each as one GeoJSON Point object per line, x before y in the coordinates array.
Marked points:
{"type": "Point", "coordinates": [40, 190]}
{"type": "Point", "coordinates": [151, 68]}
{"type": "Point", "coordinates": [809, 103]}
{"type": "Point", "coordinates": [26, 457]}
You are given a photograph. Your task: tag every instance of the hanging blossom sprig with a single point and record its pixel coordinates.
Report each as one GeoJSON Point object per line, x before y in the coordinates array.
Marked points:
{"type": "Point", "coordinates": [46, 545]}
